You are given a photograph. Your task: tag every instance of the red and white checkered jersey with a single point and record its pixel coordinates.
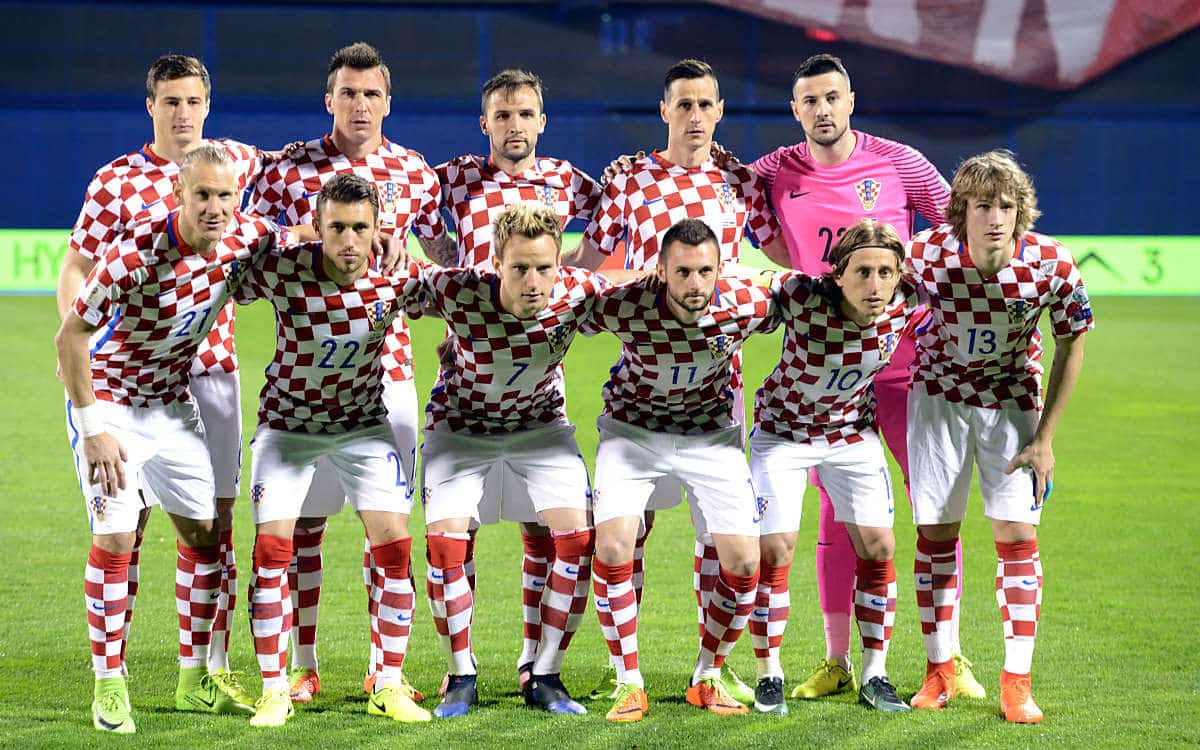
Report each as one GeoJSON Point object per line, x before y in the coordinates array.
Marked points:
{"type": "Point", "coordinates": [409, 199]}
{"type": "Point", "coordinates": [506, 374]}
{"type": "Point", "coordinates": [982, 346]}
{"type": "Point", "coordinates": [475, 191]}
{"type": "Point", "coordinates": [815, 203]}
{"type": "Point", "coordinates": [155, 299]}
{"type": "Point", "coordinates": [141, 182]}
{"type": "Point", "coordinates": [820, 392]}
{"type": "Point", "coordinates": [327, 373]}
{"type": "Point", "coordinates": [672, 376]}
{"type": "Point", "coordinates": [641, 204]}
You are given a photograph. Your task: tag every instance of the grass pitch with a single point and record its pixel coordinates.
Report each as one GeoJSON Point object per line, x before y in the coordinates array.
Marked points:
{"type": "Point", "coordinates": [1117, 662]}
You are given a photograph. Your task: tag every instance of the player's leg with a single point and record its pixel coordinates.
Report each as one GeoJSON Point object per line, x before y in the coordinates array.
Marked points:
{"type": "Point", "coordinates": [282, 467]}
{"type": "Point", "coordinates": [860, 487]}
{"type": "Point", "coordinates": [1010, 502]}
{"type": "Point", "coordinates": [548, 464]}
{"type": "Point", "coordinates": [453, 470]}
{"type": "Point", "coordinates": [536, 564]}
{"type": "Point", "coordinates": [375, 482]}
{"type": "Point", "coordinates": [941, 444]}
{"type": "Point", "coordinates": [627, 466]}
{"type": "Point", "coordinates": [891, 416]}
{"type": "Point", "coordinates": [113, 522]}
{"type": "Point", "coordinates": [714, 471]}
{"type": "Point", "coordinates": [218, 397]}
{"type": "Point", "coordinates": [779, 469]}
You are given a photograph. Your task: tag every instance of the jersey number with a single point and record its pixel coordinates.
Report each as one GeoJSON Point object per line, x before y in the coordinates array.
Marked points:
{"type": "Point", "coordinates": [981, 341]}
{"type": "Point", "coordinates": [350, 347]}
{"type": "Point", "coordinates": [843, 381]}
{"type": "Point", "coordinates": [827, 233]}
{"type": "Point", "coordinates": [392, 456]}
{"type": "Point", "coordinates": [689, 370]}
{"type": "Point", "coordinates": [521, 367]}
{"type": "Point", "coordinates": [188, 319]}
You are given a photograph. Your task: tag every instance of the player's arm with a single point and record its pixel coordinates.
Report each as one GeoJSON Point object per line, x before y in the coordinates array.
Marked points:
{"type": "Point", "coordinates": [1064, 374]}
{"type": "Point", "coordinates": [585, 255]}
{"type": "Point", "coordinates": [303, 233]}
{"type": "Point", "coordinates": [777, 251]}
{"type": "Point", "coordinates": [103, 452]}
{"type": "Point", "coordinates": [75, 268]}
{"type": "Point", "coordinates": [620, 275]}
{"type": "Point", "coordinates": [443, 250]}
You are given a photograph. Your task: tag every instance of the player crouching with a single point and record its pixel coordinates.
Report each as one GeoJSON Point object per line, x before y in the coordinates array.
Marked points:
{"type": "Point", "coordinates": [501, 402]}
{"type": "Point", "coordinates": [323, 398]}
{"type": "Point", "coordinates": [817, 410]}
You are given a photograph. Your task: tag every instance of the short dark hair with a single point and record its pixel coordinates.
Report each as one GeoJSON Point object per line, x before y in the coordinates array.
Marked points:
{"type": "Point", "coordinates": [689, 69]}
{"type": "Point", "coordinates": [688, 232]}
{"type": "Point", "coordinates": [358, 56]}
{"type": "Point", "coordinates": [174, 67]}
{"type": "Point", "coordinates": [348, 188]}
{"type": "Point", "coordinates": [819, 65]}
{"type": "Point", "coordinates": [508, 81]}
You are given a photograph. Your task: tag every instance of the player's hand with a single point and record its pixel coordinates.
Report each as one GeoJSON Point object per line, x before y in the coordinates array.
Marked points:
{"type": "Point", "coordinates": [270, 157]}
{"type": "Point", "coordinates": [392, 252]}
{"type": "Point", "coordinates": [106, 459]}
{"type": "Point", "coordinates": [622, 163]}
{"type": "Point", "coordinates": [1038, 457]}
{"type": "Point", "coordinates": [722, 157]}
{"type": "Point", "coordinates": [445, 354]}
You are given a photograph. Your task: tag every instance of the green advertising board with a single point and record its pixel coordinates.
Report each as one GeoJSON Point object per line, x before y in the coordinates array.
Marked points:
{"type": "Point", "coordinates": [1134, 265]}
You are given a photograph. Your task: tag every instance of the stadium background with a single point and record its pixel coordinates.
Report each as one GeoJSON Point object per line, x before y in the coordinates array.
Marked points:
{"type": "Point", "coordinates": [1113, 159]}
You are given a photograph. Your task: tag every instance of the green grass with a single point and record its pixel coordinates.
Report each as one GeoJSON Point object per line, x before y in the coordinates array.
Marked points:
{"type": "Point", "coordinates": [1117, 661]}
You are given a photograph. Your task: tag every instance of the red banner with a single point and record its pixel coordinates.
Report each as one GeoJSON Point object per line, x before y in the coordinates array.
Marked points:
{"type": "Point", "coordinates": [1055, 44]}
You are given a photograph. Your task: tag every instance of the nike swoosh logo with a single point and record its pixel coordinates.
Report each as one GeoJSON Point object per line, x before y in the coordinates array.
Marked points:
{"type": "Point", "coordinates": [728, 604]}
{"type": "Point", "coordinates": [206, 703]}
{"type": "Point", "coordinates": [878, 603]}
{"type": "Point", "coordinates": [107, 725]}
{"type": "Point", "coordinates": [571, 571]}
{"type": "Point", "coordinates": [1028, 582]}
{"type": "Point", "coordinates": [924, 581]}
{"type": "Point", "coordinates": [794, 194]}
{"type": "Point", "coordinates": [891, 510]}
{"type": "Point", "coordinates": [647, 203]}
{"type": "Point", "coordinates": [307, 195]}
{"type": "Point", "coordinates": [438, 576]}
{"type": "Point", "coordinates": [762, 613]}
{"type": "Point", "coordinates": [843, 682]}
{"type": "Point", "coordinates": [537, 583]}
{"type": "Point", "coordinates": [97, 606]}
{"type": "Point", "coordinates": [146, 205]}
{"type": "Point", "coordinates": [629, 710]}
{"type": "Point", "coordinates": [403, 617]}
{"type": "Point", "coordinates": [601, 605]}
{"type": "Point", "coordinates": [214, 596]}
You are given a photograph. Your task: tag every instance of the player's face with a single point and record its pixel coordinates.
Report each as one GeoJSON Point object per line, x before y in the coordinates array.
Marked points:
{"type": "Point", "coordinates": [359, 103]}
{"type": "Point", "coordinates": [991, 223]}
{"type": "Point", "coordinates": [347, 231]}
{"type": "Point", "coordinates": [178, 110]}
{"type": "Point", "coordinates": [207, 195]}
{"type": "Point", "coordinates": [528, 272]}
{"type": "Point", "coordinates": [692, 111]}
{"type": "Point", "coordinates": [823, 105]}
{"type": "Point", "coordinates": [868, 283]}
{"type": "Point", "coordinates": [513, 121]}
{"type": "Point", "coordinates": [690, 274]}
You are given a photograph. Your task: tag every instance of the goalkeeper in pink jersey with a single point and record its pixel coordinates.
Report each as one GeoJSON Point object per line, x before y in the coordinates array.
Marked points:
{"type": "Point", "coordinates": [829, 181]}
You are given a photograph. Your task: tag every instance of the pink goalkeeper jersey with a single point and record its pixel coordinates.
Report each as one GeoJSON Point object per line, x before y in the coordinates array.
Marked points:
{"type": "Point", "coordinates": [882, 180]}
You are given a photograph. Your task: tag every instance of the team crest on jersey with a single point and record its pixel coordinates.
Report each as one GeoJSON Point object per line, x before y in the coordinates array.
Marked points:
{"type": "Point", "coordinates": [381, 314]}
{"type": "Point", "coordinates": [1017, 310]}
{"type": "Point", "coordinates": [887, 345]}
{"type": "Point", "coordinates": [718, 345]}
{"type": "Point", "coordinates": [549, 196]}
{"type": "Point", "coordinates": [387, 197]}
{"type": "Point", "coordinates": [236, 272]}
{"type": "Point", "coordinates": [257, 493]}
{"type": "Point", "coordinates": [556, 337]}
{"type": "Point", "coordinates": [868, 192]}
{"type": "Point", "coordinates": [726, 195]}
{"type": "Point", "coordinates": [99, 505]}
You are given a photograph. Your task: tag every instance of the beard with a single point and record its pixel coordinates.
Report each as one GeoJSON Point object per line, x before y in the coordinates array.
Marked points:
{"type": "Point", "coordinates": [828, 140]}
{"type": "Point", "coordinates": [693, 303]}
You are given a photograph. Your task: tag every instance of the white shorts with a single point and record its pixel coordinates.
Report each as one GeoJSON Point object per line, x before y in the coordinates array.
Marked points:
{"type": "Point", "coordinates": [505, 497]}
{"type": "Point", "coordinates": [545, 461]}
{"type": "Point", "coordinates": [219, 397]}
{"type": "Point", "coordinates": [325, 495]}
{"type": "Point", "coordinates": [945, 439]}
{"type": "Point", "coordinates": [855, 476]}
{"type": "Point", "coordinates": [166, 456]}
{"type": "Point", "coordinates": [711, 466]}
{"type": "Point", "coordinates": [368, 468]}
{"type": "Point", "coordinates": [669, 491]}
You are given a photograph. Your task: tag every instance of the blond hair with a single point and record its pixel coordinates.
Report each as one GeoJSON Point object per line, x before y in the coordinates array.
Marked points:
{"type": "Point", "coordinates": [988, 176]}
{"type": "Point", "coordinates": [530, 220]}
{"type": "Point", "coordinates": [205, 153]}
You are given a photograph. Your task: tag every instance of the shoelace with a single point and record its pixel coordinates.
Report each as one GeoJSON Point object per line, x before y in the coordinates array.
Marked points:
{"type": "Point", "coordinates": [112, 701]}
{"type": "Point", "coordinates": [884, 689]}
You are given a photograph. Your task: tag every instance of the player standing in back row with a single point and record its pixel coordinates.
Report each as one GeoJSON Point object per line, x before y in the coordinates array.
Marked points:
{"type": "Point", "coordinates": [832, 179]}
{"type": "Point", "coordinates": [976, 400]}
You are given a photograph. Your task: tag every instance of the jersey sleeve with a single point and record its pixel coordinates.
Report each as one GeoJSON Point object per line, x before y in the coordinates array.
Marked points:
{"type": "Point", "coordinates": [110, 280]}
{"type": "Point", "coordinates": [761, 224]}
{"type": "Point", "coordinates": [429, 224]}
{"type": "Point", "coordinates": [926, 190]}
{"type": "Point", "coordinates": [267, 197]}
{"type": "Point", "coordinates": [249, 160]}
{"type": "Point", "coordinates": [1070, 308]}
{"type": "Point", "coordinates": [609, 223]}
{"type": "Point", "coordinates": [767, 167]}
{"type": "Point", "coordinates": [585, 195]}
{"type": "Point", "coordinates": [257, 281]}
{"type": "Point", "coordinates": [99, 219]}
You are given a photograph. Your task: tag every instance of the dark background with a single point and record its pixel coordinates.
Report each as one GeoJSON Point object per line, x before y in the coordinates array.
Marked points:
{"type": "Point", "coordinates": [1117, 156]}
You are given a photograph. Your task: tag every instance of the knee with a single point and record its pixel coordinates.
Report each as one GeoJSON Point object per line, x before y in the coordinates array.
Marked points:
{"type": "Point", "coordinates": [115, 544]}
{"type": "Point", "coordinates": [744, 562]}
{"type": "Point", "coordinates": [224, 514]}
{"type": "Point", "coordinates": [777, 549]}
{"type": "Point", "coordinates": [199, 533]}
{"type": "Point", "coordinates": [612, 549]}
{"type": "Point", "coordinates": [879, 548]}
